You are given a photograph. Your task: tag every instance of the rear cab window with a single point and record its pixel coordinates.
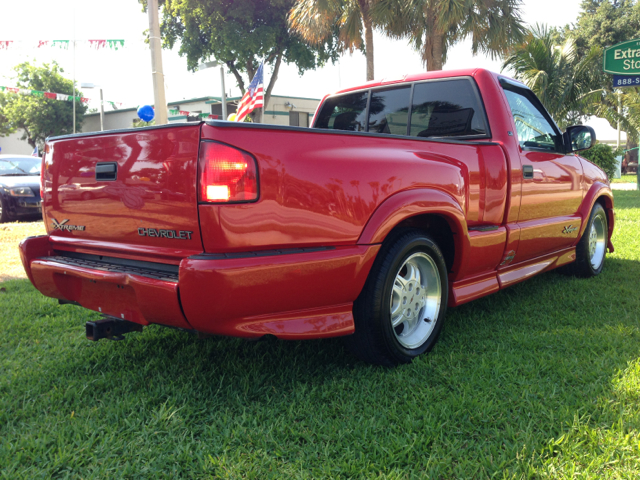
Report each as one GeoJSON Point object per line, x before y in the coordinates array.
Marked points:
{"type": "Point", "coordinates": [434, 108]}
{"type": "Point", "coordinates": [344, 112]}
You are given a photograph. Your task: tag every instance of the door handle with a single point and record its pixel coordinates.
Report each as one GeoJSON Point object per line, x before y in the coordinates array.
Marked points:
{"type": "Point", "coordinates": [106, 171]}
{"type": "Point", "coordinates": [527, 171]}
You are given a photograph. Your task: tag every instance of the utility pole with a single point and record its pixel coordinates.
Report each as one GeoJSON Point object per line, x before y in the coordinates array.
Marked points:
{"type": "Point", "coordinates": [224, 94]}
{"type": "Point", "coordinates": [619, 113]}
{"type": "Point", "coordinates": [223, 98]}
{"type": "Point", "coordinates": [73, 89]}
{"type": "Point", "coordinates": [101, 111]}
{"type": "Point", "coordinates": [159, 99]}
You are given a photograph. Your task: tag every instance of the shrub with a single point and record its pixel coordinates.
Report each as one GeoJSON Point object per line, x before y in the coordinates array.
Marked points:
{"type": "Point", "coordinates": [602, 155]}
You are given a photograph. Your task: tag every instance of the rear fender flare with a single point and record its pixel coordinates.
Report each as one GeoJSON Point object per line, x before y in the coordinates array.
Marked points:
{"type": "Point", "coordinates": [598, 190]}
{"type": "Point", "coordinates": [419, 201]}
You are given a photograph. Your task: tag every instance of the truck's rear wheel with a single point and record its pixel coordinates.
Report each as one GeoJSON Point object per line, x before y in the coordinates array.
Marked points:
{"type": "Point", "coordinates": [400, 312]}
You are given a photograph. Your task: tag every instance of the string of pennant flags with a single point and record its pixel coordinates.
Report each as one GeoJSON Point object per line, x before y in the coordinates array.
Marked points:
{"type": "Point", "coordinates": [52, 96]}
{"type": "Point", "coordinates": [69, 98]}
{"type": "Point", "coordinates": [96, 44]}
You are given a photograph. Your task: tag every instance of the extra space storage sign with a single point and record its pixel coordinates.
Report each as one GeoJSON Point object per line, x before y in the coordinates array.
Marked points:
{"type": "Point", "coordinates": [623, 59]}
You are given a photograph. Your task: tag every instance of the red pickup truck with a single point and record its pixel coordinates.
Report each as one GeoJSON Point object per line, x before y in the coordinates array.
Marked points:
{"type": "Point", "coordinates": [404, 197]}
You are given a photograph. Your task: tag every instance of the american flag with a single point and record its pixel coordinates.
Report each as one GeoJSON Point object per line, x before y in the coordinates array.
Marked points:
{"type": "Point", "coordinates": [253, 97]}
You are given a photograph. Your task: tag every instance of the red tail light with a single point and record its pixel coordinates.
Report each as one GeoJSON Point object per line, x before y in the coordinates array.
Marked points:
{"type": "Point", "coordinates": [226, 174]}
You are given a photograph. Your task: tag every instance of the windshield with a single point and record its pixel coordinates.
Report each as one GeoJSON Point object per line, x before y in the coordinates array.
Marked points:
{"type": "Point", "coordinates": [20, 166]}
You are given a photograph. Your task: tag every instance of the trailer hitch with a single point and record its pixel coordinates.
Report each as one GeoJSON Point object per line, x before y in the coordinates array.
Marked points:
{"type": "Point", "coordinates": [111, 328]}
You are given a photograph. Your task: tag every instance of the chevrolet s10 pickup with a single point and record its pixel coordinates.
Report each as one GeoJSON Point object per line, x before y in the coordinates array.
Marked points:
{"type": "Point", "coordinates": [405, 197]}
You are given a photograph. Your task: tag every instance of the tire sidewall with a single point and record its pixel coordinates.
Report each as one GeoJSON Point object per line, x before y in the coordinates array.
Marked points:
{"type": "Point", "coordinates": [423, 244]}
{"type": "Point", "coordinates": [597, 210]}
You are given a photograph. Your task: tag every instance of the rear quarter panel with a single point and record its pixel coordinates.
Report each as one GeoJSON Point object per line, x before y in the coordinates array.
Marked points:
{"type": "Point", "coordinates": [320, 188]}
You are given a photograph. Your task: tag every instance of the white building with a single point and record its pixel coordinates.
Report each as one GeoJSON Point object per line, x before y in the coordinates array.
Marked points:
{"type": "Point", "coordinates": [281, 110]}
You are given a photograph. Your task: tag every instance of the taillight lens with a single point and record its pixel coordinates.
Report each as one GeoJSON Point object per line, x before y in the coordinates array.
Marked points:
{"type": "Point", "coordinates": [226, 174]}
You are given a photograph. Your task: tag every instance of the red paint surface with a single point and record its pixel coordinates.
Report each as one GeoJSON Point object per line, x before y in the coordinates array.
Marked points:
{"type": "Point", "coordinates": [239, 289]}
{"type": "Point", "coordinates": [125, 296]}
{"type": "Point", "coordinates": [155, 188]}
{"type": "Point", "coordinates": [315, 189]}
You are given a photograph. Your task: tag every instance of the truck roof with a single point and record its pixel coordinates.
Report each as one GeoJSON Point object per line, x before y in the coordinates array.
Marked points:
{"type": "Point", "coordinates": [413, 77]}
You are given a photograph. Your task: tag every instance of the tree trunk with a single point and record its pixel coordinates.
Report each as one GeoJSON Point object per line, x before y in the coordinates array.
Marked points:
{"type": "Point", "coordinates": [368, 37]}
{"type": "Point", "coordinates": [631, 155]}
{"type": "Point", "coordinates": [256, 115]}
{"type": "Point", "coordinates": [232, 67]}
{"type": "Point", "coordinates": [433, 51]}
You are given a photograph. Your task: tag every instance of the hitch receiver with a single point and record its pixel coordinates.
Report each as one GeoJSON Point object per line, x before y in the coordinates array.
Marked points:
{"type": "Point", "coordinates": [110, 328]}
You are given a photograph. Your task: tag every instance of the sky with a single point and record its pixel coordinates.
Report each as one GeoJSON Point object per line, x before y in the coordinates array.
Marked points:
{"type": "Point", "coordinates": [125, 75]}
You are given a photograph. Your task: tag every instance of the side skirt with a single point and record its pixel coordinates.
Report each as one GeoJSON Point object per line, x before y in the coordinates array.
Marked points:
{"type": "Point", "coordinates": [468, 289]}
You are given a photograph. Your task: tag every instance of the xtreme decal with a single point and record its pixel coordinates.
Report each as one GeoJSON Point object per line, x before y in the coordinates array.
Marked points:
{"type": "Point", "coordinates": [64, 226]}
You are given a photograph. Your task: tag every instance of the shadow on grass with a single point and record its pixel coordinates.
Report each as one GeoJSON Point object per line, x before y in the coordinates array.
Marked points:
{"type": "Point", "coordinates": [511, 373]}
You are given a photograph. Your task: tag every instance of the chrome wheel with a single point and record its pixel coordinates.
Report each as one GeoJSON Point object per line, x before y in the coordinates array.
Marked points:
{"type": "Point", "coordinates": [597, 242]}
{"type": "Point", "coordinates": [415, 300]}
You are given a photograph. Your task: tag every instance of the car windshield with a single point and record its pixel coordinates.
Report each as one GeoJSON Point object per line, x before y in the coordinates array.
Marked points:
{"type": "Point", "coordinates": [20, 166]}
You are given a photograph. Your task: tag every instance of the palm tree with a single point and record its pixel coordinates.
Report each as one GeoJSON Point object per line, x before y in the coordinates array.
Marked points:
{"type": "Point", "coordinates": [560, 79]}
{"type": "Point", "coordinates": [317, 20]}
{"type": "Point", "coordinates": [433, 26]}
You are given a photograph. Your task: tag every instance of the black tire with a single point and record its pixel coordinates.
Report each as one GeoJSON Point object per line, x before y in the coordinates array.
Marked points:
{"type": "Point", "coordinates": [4, 213]}
{"type": "Point", "coordinates": [586, 265]}
{"type": "Point", "coordinates": [375, 339]}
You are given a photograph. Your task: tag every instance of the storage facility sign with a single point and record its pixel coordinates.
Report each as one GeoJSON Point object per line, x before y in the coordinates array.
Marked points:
{"type": "Point", "coordinates": [623, 58]}
{"type": "Point", "coordinates": [620, 81]}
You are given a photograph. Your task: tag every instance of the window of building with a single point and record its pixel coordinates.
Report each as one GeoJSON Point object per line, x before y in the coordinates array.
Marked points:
{"type": "Point", "coordinates": [447, 108]}
{"type": "Point", "coordinates": [389, 110]}
{"type": "Point", "coordinates": [299, 119]}
{"type": "Point", "coordinates": [344, 112]}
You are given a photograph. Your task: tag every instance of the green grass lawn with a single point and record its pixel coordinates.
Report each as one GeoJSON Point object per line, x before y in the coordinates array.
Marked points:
{"type": "Point", "coordinates": [625, 179]}
{"type": "Point", "coordinates": [541, 380]}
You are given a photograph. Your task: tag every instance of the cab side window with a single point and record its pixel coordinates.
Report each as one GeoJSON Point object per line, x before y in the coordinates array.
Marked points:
{"type": "Point", "coordinates": [534, 131]}
{"type": "Point", "coordinates": [344, 112]}
{"type": "Point", "coordinates": [447, 108]}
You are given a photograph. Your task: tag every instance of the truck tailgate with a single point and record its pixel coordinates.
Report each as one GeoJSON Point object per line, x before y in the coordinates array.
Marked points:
{"type": "Point", "coordinates": [131, 193]}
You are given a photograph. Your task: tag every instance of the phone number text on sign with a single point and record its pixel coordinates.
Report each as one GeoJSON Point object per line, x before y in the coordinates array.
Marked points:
{"type": "Point", "coordinates": [626, 81]}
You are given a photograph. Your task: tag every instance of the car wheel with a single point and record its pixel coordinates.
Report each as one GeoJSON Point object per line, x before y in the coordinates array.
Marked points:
{"type": "Point", "coordinates": [4, 213]}
{"type": "Point", "coordinates": [401, 309]}
{"type": "Point", "coordinates": [591, 250]}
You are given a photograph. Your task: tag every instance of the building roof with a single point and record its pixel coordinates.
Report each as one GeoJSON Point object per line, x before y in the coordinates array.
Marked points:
{"type": "Point", "coordinates": [231, 99]}
{"type": "Point", "coordinates": [207, 100]}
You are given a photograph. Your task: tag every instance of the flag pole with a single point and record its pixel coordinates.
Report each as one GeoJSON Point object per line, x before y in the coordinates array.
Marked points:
{"type": "Point", "coordinates": [265, 93]}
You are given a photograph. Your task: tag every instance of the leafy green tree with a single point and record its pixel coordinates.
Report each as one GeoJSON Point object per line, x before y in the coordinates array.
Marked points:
{"type": "Point", "coordinates": [603, 23]}
{"type": "Point", "coordinates": [433, 26]}
{"type": "Point", "coordinates": [241, 34]}
{"type": "Point", "coordinates": [317, 20]}
{"type": "Point", "coordinates": [604, 156]}
{"type": "Point", "coordinates": [39, 117]}
{"type": "Point", "coordinates": [138, 123]}
{"type": "Point", "coordinates": [556, 73]}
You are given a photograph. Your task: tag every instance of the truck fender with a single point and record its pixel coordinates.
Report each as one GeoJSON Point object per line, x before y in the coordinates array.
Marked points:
{"type": "Point", "coordinates": [409, 203]}
{"type": "Point", "coordinates": [596, 191]}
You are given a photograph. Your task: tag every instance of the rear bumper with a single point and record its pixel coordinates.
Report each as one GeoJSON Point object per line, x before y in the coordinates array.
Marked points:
{"type": "Point", "coordinates": [293, 294]}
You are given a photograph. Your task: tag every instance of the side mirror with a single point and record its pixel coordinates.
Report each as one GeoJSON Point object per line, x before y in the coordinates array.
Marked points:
{"type": "Point", "coordinates": [579, 137]}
